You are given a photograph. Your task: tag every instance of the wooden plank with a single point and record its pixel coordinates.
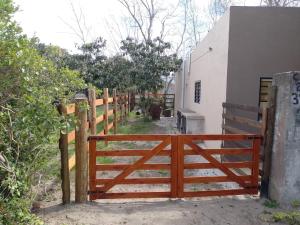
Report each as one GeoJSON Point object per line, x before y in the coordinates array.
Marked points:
{"type": "Point", "coordinates": [268, 143]}
{"type": "Point", "coordinates": [111, 125]}
{"type": "Point", "coordinates": [264, 122]}
{"type": "Point", "coordinates": [105, 99]}
{"type": "Point", "coordinates": [225, 137]}
{"type": "Point", "coordinates": [101, 133]}
{"type": "Point", "coordinates": [99, 102]}
{"type": "Point", "coordinates": [180, 166]}
{"type": "Point", "coordinates": [242, 107]}
{"type": "Point", "coordinates": [92, 169]}
{"type": "Point", "coordinates": [115, 119]}
{"type": "Point", "coordinates": [136, 165]}
{"type": "Point", "coordinates": [212, 179]}
{"type": "Point", "coordinates": [110, 112]}
{"type": "Point", "coordinates": [68, 109]}
{"type": "Point", "coordinates": [174, 163]}
{"type": "Point", "coordinates": [234, 130]}
{"type": "Point", "coordinates": [72, 162]}
{"type": "Point", "coordinates": [131, 137]}
{"type": "Point", "coordinates": [255, 158]}
{"type": "Point", "coordinates": [64, 162]}
{"type": "Point", "coordinates": [144, 180]}
{"type": "Point", "coordinates": [150, 166]}
{"type": "Point", "coordinates": [93, 113]}
{"type": "Point", "coordinates": [221, 192]}
{"type": "Point", "coordinates": [110, 100]}
{"type": "Point", "coordinates": [212, 166]}
{"type": "Point", "coordinates": [81, 151]}
{"type": "Point", "coordinates": [130, 152]}
{"type": "Point", "coordinates": [133, 195]}
{"type": "Point", "coordinates": [242, 120]}
{"type": "Point", "coordinates": [99, 119]}
{"type": "Point", "coordinates": [223, 151]}
{"type": "Point", "coordinates": [71, 136]}
{"type": "Point", "coordinates": [216, 163]}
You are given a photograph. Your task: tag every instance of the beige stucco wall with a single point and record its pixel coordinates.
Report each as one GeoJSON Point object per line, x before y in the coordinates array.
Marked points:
{"type": "Point", "coordinates": [262, 41]}
{"type": "Point", "coordinates": [247, 43]}
{"type": "Point", "coordinates": [210, 66]}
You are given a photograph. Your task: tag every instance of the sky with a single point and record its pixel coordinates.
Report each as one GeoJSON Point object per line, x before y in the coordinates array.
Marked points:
{"type": "Point", "coordinates": [50, 20]}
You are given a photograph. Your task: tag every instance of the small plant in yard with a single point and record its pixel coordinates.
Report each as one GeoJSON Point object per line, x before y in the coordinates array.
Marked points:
{"type": "Point", "coordinates": [291, 218]}
{"type": "Point", "coordinates": [271, 204]}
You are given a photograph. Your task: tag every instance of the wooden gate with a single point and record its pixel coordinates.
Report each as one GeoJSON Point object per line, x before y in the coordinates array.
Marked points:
{"type": "Point", "coordinates": [178, 148]}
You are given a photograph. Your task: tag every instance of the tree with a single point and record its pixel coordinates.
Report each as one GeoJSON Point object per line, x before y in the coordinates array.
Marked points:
{"type": "Point", "coordinates": [217, 8]}
{"type": "Point", "coordinates": [150, 63]}
{"type": "Point", "coordinates": [280, 3]}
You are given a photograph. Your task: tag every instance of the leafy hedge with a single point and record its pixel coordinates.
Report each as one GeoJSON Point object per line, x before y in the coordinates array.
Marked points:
{"type": "Point", "coordinates": [29, 122]}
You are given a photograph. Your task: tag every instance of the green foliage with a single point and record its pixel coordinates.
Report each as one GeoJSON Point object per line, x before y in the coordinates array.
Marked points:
{"type": "Point", "coordinates": [295, 203]}
{"type": "Point", "coordinates": [15, 212]}
{"type": "Point", "coordinates": [271, 203]}
{"type": "Point", "coordinates": [291, 218]}
{"type": "Point", "coordinates": [29, 120]}
{"type": "Point", "coordinates": [150, 63]}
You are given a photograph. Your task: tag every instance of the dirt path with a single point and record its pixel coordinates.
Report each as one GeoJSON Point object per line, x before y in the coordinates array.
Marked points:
{"type": "Point", "coordinates": [234, 211]}
{"type": "Point", "coordinates": [219, 211]}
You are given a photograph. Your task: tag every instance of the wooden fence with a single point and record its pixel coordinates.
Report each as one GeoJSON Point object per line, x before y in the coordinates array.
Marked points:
{"type": "Point", "coordinates": [245, 119]}
{"type": "Point", "coordinates": [115, 110]}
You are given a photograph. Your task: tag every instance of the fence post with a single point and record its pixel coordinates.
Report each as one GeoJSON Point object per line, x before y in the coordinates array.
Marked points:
{"type": "Point", "coordinates": [268, 143]}
{"type": "Point", "coordinates": [81, 151]}
{"type": "Point", "coordinates": [105, 101]}
{"type": "Point", "coordinates": [64, 171]}
{"type": "Point", "coordinates": [115, 110]}
{"type": "Point", "coordinates": [93, 114]}
{"type": "Point", "coordinates": [121, 108]}
{"type": "Point", "coordinates": [129, 102]}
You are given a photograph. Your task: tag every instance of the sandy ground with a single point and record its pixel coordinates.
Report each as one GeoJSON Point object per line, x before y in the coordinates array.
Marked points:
{"type": "Point", "coordinates": [235, 210]}
{"type": "Point", "coordinates": [227, 211]}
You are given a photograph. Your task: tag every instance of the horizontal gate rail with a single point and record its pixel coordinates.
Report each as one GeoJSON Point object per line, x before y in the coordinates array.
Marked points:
{"type": "Point", "coordinates": [176, 148]}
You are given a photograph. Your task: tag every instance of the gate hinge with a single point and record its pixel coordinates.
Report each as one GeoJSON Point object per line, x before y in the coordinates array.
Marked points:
{"type": "Point", "coordinates": [254, 137]}
{"type": "Point", "coordinates": [95, 192]}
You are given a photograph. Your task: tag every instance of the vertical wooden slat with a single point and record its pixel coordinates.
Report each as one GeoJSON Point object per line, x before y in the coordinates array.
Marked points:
{"type": "Point", "coordinates": [129, 102]}
{"type": "Point", "coordinates": [115, 110]}
{"type": "Point", "coordinates": [121, 108]}
{"type": "Point", "coordinates": [105, 100]}
{"type": "Point", "coordinates": [255, 159]}
{"type": "Point", "coordinates": [268, 143]}
{"type": "Point", "coordinates": [81, 151]}
{"type": "Point", "coordinates": [92, 168]}
{"type": "Point", "coordinates": [174, 163]}
{"type": "Point", "coordinates": [180, 167]}
{"type": "Point", "coordinates": [92, 102]}
{"type": "Point", "coordinates": [64, 155]}
{"type": "Point", "coordinates": [264, 122]}
{"type": "Point", "coordinates": [126, 106]}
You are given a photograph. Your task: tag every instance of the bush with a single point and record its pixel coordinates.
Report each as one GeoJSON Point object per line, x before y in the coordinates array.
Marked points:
{"type": "Point", "coordinates": [29, 121]}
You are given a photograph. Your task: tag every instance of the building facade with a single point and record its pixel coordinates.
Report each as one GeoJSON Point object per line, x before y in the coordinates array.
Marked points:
{"type": "Point", "coordinates": [233, 62]}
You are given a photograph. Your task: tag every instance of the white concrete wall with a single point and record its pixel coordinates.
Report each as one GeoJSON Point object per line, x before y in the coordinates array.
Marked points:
{"type": "Point", "coordinates": [210, 66]}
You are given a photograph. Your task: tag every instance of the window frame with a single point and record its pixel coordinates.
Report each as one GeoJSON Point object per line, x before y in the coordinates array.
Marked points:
{"type": "Point", "coordinates": [197, 91]}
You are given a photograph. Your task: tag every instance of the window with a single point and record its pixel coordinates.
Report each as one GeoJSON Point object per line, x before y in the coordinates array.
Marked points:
{"type": "Point", "coordinates": [197, 91]}
{"type": "Point", "coordinates": [264, 91]}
